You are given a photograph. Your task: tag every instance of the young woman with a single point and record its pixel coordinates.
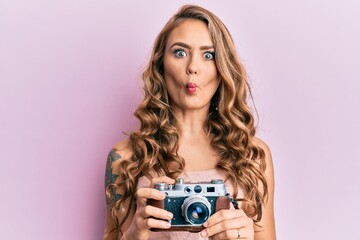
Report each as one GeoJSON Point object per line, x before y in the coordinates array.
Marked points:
{"type": "Point", "coordinates": [195, 124]}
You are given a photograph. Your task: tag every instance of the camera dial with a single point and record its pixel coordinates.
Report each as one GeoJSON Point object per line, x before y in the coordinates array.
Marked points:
{"type": "Point", "coordinates": [160, 186]}
{"type": "Point", "coordinates": [217, 181]}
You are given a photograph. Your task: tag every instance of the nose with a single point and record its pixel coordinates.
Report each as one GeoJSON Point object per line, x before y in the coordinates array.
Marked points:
{"type": "Point", "coordinates": [191, 71]}
{"type": "Point", "coordinates": [193, 67]}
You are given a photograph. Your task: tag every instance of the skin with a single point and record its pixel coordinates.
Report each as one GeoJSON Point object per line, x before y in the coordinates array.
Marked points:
{"type": "Point", "coordinates": [188, 57]}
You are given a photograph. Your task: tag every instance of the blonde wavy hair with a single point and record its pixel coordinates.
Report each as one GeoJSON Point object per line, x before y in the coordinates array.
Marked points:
{"type": "Point", "coordinates": [230, 124]}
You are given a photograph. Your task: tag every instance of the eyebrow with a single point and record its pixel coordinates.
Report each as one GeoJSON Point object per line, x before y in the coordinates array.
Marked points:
{"type": "Point", "coordinates": [187, 46]}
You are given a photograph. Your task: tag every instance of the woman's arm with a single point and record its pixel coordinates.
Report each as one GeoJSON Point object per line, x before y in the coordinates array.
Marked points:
{"type": "Point", "coordinates": [235, 224]}
{"type": "Point", "coordinates": [267, 223]}
{"type": "Point", "coordinates": [142, 217]}
{"type": "Point", "coordinates": [115, 156]}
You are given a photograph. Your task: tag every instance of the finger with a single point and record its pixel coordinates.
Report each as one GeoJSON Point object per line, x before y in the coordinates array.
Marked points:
{"type": "Point", "coordinates": [225, 226]}
{"type": "Point", "coordinates": [222, 215]}
{"type": "Point", "coordinates": [164, 179]}
{"type": "Point", "coordinates": [228, 234]}
{"type": "Point", "coordinates": [148, 223]}
{"type": "Point", "coordinates": [242, 233]}
{"type": "Point", "coordinates": [151, 211]}
{"type": "Point", "coordinates": [143, 194]}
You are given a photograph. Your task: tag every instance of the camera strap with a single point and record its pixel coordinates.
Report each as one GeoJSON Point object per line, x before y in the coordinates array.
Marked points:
{"type": "Point", "coordinates": [233, 201]}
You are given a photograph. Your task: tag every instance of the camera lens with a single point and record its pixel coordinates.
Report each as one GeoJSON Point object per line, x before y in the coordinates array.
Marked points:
{"type": "Point", "coordinates": [197, 213]}
{"type": "Point", "coordinates": [196, 209]}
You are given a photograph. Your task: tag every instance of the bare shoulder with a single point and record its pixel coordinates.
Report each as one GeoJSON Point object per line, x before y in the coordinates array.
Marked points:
{"type": "Point", "coordinates": [118, 152]}
{"type": "Point", "coordinates": [269, 171]}
{"type": "Point", "coordinates": [266, 148]}
{"type": "Point", "coordinates": [263, 145]}
{"type": "Point", "coordinates": [122, 148]}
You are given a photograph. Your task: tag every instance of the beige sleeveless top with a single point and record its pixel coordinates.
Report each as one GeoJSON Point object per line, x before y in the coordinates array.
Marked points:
{"type": "Point", "coordinates": [193, 177]}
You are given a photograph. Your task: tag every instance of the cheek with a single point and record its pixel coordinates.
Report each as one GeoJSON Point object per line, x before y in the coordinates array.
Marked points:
{"type": "Point", "coordinates": [172, 71]}
{"type": "Point", "coordinates": [213, 71]}
{"type": "Point", "coordinates": [210, 70]}
{"type": "Point", "coordinates": [168, 67]}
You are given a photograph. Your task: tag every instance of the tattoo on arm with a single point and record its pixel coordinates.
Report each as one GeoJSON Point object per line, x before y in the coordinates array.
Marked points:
{"type": "Point", "coordinates": [110, 178]}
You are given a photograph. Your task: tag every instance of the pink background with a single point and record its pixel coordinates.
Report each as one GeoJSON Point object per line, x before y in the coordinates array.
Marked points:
{"type": "Point", "coordinates": [70, 80]}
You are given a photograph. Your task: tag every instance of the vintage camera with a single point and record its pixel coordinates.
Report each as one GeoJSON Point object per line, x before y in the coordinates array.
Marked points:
{"type": "Point", "coordinates": [191, 203]}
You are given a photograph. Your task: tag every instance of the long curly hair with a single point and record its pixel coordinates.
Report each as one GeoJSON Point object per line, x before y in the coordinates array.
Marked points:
{"type": "Point", "coordinates": [230, 124]}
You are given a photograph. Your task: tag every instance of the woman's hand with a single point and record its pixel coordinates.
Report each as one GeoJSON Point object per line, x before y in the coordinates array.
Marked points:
{"type": "Point", "coordinates": [147, 216]}
{"type": "Point", "coordinates": [229, 224]}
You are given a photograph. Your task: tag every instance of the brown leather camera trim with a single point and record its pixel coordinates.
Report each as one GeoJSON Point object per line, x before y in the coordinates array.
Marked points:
{"type": "Point", "coordinates": [156, 203]}
{"type": "Point", "coordinates": [177, 228]}
{"type": "Point", "coordinates": [222, 202]}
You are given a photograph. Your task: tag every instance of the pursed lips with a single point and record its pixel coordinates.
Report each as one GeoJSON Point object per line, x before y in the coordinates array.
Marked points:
{"type": "Point", "coordinates": [191, 87]}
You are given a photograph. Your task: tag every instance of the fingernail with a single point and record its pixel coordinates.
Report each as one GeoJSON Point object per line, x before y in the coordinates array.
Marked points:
{"type": "Point", "coordinates": [167, 225]}
{"type": "Point", "coordinates": [205, 224]}
{"type": "Point", "coordinates": [169, 215]}
{"type": "Point", "coordinates": [203, 233]}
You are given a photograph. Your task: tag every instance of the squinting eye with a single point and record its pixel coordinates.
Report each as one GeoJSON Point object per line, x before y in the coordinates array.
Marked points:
{"type": "Point", "coordinates": [180, 53]}
{"type": "Point", "coordinates": [209, 55]}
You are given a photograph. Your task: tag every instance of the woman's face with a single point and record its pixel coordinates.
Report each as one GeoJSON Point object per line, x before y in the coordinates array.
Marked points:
{"type": "Point", "coordinates": [189, 66]}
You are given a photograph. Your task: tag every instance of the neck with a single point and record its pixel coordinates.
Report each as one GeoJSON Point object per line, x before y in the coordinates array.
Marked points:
{"type": "Point", "coordinates": [194, 144]}
{"type": "Point", "coordinates": [190, 122]}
